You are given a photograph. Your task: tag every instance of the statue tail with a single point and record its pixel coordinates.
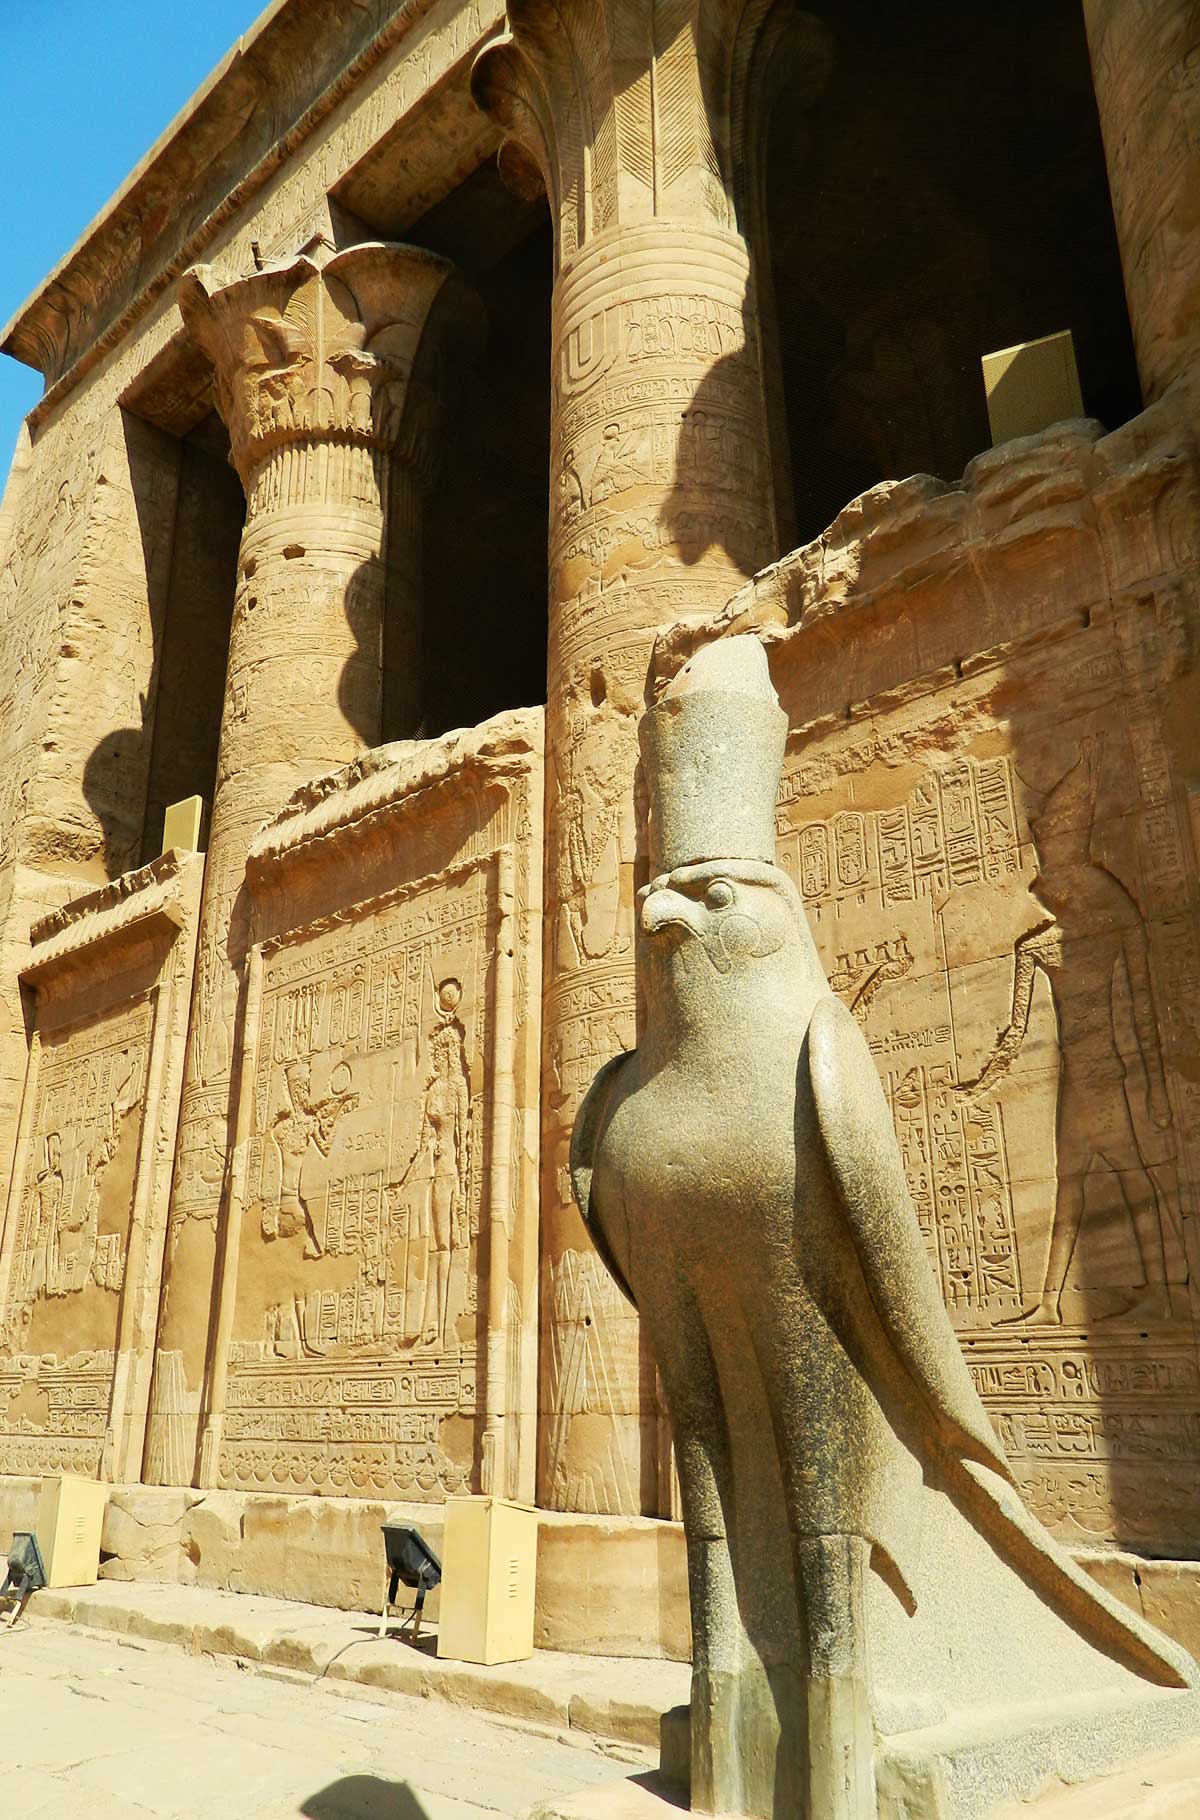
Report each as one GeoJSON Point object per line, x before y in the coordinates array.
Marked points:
{"type": "Point", "coordinates": [1112, 1627]}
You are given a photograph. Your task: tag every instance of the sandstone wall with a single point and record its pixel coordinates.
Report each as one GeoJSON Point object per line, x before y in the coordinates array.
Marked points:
{"type": "Point", "coordinates": [989, 808]}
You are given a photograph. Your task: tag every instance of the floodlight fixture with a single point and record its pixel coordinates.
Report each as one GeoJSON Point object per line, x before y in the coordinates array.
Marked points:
{"type": "Point", "coordinates": [410, 1562]}
{"type": "Point", "coordinates": [26, 1573]}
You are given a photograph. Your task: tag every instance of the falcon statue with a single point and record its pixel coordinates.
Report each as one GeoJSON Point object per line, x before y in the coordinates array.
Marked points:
{"type": "Point", "coordinates": [841, 1482]}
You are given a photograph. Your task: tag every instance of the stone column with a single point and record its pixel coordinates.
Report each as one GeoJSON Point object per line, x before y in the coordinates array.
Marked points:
{"type": "Point", "coordinates": [328, 376]}
{"type": "Point", "coordinates": [640, 123]}
{"type": "Point", "coordinates": [1146, 70]}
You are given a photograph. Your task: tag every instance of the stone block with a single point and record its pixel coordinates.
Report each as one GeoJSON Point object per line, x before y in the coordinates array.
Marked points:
{"type": "Point", "coordinates": [144, 1535]}
{"type": "Point", "coordinates": [1170, 1593]}
{"type": "Point", "coordinates": [1118, 1574]}
{"type": "Point", "coordinates": [612, 1586]}
{"type": "Point", "coordinates": [181, 824]}
{"type": "Point", "coordinates": [1032, 385]}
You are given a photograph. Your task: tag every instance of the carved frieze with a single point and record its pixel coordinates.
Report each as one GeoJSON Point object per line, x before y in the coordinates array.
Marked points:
{"type": "Point", "coordinates": [375, 1300]}
{"type": "Point", "coordinates": [83, 1240]}
{"type": "Point", "coordinates": [997, 858]}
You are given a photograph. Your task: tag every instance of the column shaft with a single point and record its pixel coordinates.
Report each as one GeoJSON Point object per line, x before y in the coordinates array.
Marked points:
{"type": "Point", "coordinates": [661, 505]}
{"type": "Point", "coordinates": [314, 370]}
{"type": "Point", "coordinates": [1146, 70]}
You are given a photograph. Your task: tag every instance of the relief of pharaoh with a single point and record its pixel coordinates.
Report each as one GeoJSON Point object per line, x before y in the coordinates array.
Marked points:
{"type": "Point", "coordinates": [301, 1125]}
{"type": "Point", "coordinates": [859, 1558]}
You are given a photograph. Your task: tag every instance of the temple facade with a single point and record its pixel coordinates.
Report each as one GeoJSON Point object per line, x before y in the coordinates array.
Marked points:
{"type": "Point", "coordinates": [440, 380]}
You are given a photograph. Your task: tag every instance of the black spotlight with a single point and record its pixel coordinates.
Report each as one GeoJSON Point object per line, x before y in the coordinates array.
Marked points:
{"type": "Point", "coordinates": [26, 1572]}
{"type": "Point", "coordinates": [410, 1562]}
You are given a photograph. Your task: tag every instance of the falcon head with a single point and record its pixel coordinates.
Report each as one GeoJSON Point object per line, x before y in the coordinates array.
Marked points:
{"type": "Point", "coordinates": [738, 910]}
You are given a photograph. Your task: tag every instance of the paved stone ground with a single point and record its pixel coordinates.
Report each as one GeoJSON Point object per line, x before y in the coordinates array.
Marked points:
{"type": "Point", "coordinates": [621, 1699]}
{"type": "Point", "coordinates": [98, 1727]}
{"type": "Point", "coordinates": [95, 1728]}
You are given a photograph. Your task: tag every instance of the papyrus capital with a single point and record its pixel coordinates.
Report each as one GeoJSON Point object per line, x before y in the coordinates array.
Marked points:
{"type": "Point", "coordinates": [636, 114]}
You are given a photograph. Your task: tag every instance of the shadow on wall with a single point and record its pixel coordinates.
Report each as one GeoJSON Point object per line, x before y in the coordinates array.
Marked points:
{"type": "Point", "coordinates": [365, 1798]}
{"type": "Point", "coordinates": [700, 511]}
{"type": "Point", "coordinates": [114, 774]}
{"type": "Point", "coordinates": [188, 507]}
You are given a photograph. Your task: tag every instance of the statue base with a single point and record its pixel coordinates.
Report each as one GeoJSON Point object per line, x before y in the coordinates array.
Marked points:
{"type": "Point", "coordinates": [965, 1768]}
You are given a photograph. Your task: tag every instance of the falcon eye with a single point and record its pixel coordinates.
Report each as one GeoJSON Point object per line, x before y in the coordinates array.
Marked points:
{"type": "Point", "coordinates": [719, 895]}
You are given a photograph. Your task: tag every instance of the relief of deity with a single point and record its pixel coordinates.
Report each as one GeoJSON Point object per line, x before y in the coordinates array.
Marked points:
{"type": "Point", "coordinates": [61, 1249]}
{"type": "Point", "coordinates": [596, 815]}
{"type": "Point", "coordinates": [443, 1148]}
{"type": "Point", "coordinates": [1091, 945]}
{"type": "Point", "coordinates": [49, 1190]}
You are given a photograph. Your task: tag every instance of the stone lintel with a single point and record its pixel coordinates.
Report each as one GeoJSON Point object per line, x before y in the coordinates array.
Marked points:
{"type": "Point", "coordinates": [348, 802]}
{"type": "Point", "coordinates": [390, 821]}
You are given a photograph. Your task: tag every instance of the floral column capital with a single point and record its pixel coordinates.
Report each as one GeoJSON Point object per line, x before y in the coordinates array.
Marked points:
{"type": "Point", "coordinates": [351, 351]}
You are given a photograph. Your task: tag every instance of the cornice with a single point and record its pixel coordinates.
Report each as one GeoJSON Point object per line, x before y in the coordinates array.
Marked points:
{"type": "Point", "coordinates": [348, 802]}
{"type": "Point", "coordinates": [272, 90]}
{"type": "Point", "coordinates": [160, 893]}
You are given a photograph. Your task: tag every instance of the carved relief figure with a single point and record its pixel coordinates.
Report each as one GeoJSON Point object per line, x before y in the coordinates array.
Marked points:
{"type": "Point", "coordinates": [887, 888]}
{"type": "Point", "coordinates": [443, 1146]}
{"type": "Point", "coordinates": [1093, 935]}
{"type": "Point", "coordinates": [60, 1248]}
{"type": "Point", "coordinates": [298, 1127]}
{"type": "Point", "coordinates": [594, 766]}
{"type": "Point", "coordinates": [48, 1191]}
{"type": "Point", "coordinates": [740, 1174]}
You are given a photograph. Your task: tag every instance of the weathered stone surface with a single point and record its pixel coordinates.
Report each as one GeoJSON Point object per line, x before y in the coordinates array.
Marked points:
{"type": "Point", "coordinates": [593, 1697]}
{"type": "Point", "coordinates": [605, 1587]}
{"type": "Point", "coordinates": [1162, 1786]}
{"type": "Point", "coordinates": [661, 498]}
{"type": "Point", "coordinates": [131, 1729]}
{"type": "Point", "coordinates": [985, 805]}
{"type": "Point", "coordinates": [79, 1283]}
{"type": "Point", "coordinates": [1143, 64]}
{"type": "Point", "coordinates": [989, 803]}
{"type": "Point", "coordinates": [741, 1174]}
{"type": "Point", "coordinates": [329, 373]}
{"type": "Point", "coordinates": [617, 1586]}
{"type": "Point", "coordinates": [381, 1241]}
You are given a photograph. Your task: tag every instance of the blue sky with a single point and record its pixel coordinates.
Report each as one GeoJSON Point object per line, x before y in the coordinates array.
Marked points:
{"type": "Point", "coordinates": [86, 87]}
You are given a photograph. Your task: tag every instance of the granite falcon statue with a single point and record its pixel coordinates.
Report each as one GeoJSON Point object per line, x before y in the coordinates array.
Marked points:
{"type": "Point", "coordinates": [841, 1482]}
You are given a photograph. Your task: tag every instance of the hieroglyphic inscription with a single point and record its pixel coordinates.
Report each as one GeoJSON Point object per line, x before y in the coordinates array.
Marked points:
{"type": "Point", "coordinates": [873, 882]}
{"type": "Point", "coordinates": [662, 502]}
{"type": "Point", "coordinates": [364, 1200]}
{"type": "Point", "coordinates": [66, 1264]}
{"type": "Point", "coordinates": [1016, 932]}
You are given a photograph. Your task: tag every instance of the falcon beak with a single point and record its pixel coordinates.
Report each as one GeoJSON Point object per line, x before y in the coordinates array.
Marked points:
{"type": "Point", "coordinates": [664, 909]}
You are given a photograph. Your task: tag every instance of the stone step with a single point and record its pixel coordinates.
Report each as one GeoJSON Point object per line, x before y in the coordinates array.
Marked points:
{"type": "Point", "coordinates": [620, 1699]}
{"type": "Point", "coordinates": [1163, 1786]}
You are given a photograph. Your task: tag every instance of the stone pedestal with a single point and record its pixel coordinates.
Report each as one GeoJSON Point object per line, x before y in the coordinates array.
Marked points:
{"type": "Point", "coordinates": [1147, 78]}
{"type": "Point", "coordinates": [329, 384]}
{"type": "Point", "coordinates": [661, 499]}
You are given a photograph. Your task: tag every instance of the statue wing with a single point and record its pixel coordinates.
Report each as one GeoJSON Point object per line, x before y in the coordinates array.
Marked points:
{"type": "Point", "coordinates": [590, 1121]}
{"type": "Point", "coordinates": [860, 1147]}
